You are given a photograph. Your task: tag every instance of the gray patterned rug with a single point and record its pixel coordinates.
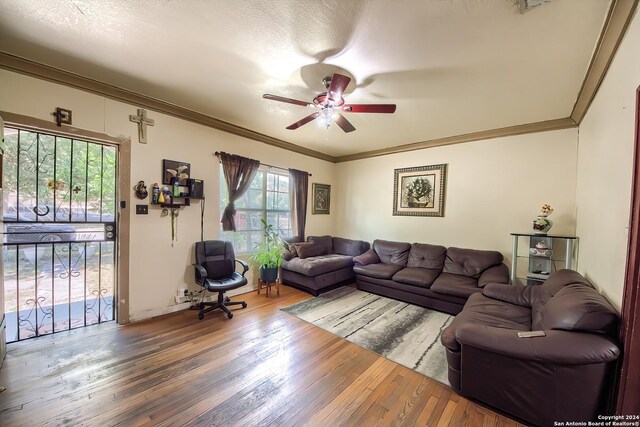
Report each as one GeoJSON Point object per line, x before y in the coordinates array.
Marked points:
{"type": "Point", "coordinates": [401, 332]}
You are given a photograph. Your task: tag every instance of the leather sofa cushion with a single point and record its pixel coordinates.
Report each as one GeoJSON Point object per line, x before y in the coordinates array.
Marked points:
{"type": "Point", "coordinates": [543, 293]}
{"type": "Point", "coordinates": [315, 266]}
{"type": "Point", "coordinates": [381, 271]}
{"type": "Point", "coordinates": [487, 312]}
{"type": "Point", "coordinates": [392, 252]}
{"type": "Point", "coordinates": [349, 247]}
{"type": "Point", "coordinates": [426, 256]}
{"type": "Point", "coordinates": [577, 307]}
{"type": "Point", "coordinates": [325, 241]}
{"type": "Point", "coordinates": [369, 257]}
{"type": "Point", "coordinates": [416, 276]}
{"type": "Point", "coordinates": [312, 250]}
{"type": "Point", "coordinates": [470, 262]}
{"type": "Point", "coordinates": [455, 284]}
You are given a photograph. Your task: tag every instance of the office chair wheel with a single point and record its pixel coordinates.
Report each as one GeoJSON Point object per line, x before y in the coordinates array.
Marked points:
{"type": "Point", "coordinates": [200, 316]}
{"type": "Point", "coordinates": [230, 315]}
{"type": "Point", "coordinates": [244, 305]}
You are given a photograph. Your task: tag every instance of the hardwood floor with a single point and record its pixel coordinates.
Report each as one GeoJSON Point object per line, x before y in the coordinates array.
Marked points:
{"type": "Point", "coordinates": [263, 367]}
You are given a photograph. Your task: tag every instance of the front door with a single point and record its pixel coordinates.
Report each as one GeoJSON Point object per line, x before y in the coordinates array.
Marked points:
{"type": "Point", "coordinates": [59, 197]}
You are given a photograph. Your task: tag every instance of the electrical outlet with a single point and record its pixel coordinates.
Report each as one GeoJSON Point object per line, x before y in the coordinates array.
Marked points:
{"type": "Point", "coordinates": [142, 209]}
{"type": "Point", "coordinates": [180, 300]}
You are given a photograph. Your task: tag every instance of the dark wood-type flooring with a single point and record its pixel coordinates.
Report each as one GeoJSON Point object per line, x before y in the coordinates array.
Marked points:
{"type": "Point", "coordinates": [263, 367]}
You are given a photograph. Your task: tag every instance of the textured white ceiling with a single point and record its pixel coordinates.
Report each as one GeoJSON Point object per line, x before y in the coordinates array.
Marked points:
{"type": "Point", "coordinates": [451, 66]}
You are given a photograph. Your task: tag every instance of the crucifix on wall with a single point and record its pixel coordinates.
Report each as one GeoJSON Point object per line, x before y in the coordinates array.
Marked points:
{"type": "Point", "coordinates": [143, 121]}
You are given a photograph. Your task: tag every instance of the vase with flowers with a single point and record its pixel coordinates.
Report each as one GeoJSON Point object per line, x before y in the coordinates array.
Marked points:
{"type": "Point", "coordinates": [542, 224]}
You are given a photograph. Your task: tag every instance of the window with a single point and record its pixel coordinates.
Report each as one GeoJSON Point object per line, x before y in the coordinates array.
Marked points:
{"type": "Point", "coordinates": [268, 198]}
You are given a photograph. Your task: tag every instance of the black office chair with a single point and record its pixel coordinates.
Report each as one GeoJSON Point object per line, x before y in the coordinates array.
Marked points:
{"type": "Point", "coordinates": [216, 272]}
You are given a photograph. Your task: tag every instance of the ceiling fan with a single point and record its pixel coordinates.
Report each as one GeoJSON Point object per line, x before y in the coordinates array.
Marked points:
{"type": "Point", "coordinates": [331, 103]}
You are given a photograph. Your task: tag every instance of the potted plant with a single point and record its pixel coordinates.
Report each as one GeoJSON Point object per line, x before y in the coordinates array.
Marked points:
{"type": "Point", "coordinates": [268, 254]}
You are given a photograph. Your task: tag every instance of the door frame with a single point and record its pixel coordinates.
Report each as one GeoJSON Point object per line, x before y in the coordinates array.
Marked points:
{"type": "Point", "coordinates": [628, 391]}
{"type": "Point", "coordinates": [123, 196]}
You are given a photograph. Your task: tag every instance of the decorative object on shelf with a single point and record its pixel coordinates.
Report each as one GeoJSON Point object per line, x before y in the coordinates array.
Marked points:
{"type": "Point", "coordinates": [541, 249]}
{"type": "Point", "coordinates": [62, 116]}
{"type": "Point", "coordinates": [321, 199]}
{"type": "Point", "coordinates": [174, 169]}
{"type": "Point", "coordinates": [542, 224]}
{"type": "Point", "coordinates": [143, 121]}
{"type": "Point", "coordinates": [268, 254]}
{"type": "Point", "coordinates": [174, 224]}
{"type": "Point", "coordinates": [419, 191]}
{"type": "Point", "coordinates": [155, 193]}
{"type": "Point", "coordinates": [141, 190]}
{"type": "Point", "coordinates": [160, 197]}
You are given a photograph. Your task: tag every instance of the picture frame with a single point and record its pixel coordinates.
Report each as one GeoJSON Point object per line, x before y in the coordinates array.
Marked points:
{"type": "Point", "coordinates": [321, 203]}
{"type": "Point", "coordinates": [182, 169]}
{"type": "Point", "coordinates": [419, 191]}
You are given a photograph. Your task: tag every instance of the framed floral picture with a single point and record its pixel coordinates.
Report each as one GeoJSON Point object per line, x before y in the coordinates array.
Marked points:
{"type": "Point", "coordinates": [419, 191]}
{"type": "Point", "coordinates": [321, 198]}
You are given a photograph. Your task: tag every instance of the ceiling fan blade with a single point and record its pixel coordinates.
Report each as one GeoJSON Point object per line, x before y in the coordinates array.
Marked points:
{"type": "Point", "coordinates": [338, 85]}
{"type": "Point", "coordinates": [369, 108]}
{"type": "Point", "coordinates": [287, 100]}
{"type": "Point", "coordinates": [304, 121]}
{"type": "Point", "coordinates": [344, 123]}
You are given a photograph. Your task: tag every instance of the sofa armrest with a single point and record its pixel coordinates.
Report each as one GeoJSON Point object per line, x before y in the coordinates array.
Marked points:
{"type": "Point", "coordinates": [201, 273]}
{"type": "Point", "coordinates": [495, 274]}
{"type": "Point", "coordinates": [245, 266]}
{"type": "Point", "coordinates": [514, 294]}
{"type": "Point", "coordinates": [557, 347]}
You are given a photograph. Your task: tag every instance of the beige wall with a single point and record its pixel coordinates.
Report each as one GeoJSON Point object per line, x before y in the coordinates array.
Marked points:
{"type": "Point", "coordinates": [494, 187]}
{"type": "Point", "coordinates": [605, 155]}
{"type": "Point", "coordinates": [158, 269]}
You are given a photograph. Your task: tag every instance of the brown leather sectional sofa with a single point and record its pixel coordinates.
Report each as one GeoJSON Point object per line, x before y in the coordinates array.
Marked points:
{"type": "Point", "coordinates": [428, 275]}
{"type": "Point", "coordinates": [324, 263]}
{"type": "Point", "coordinates": [563, 376]}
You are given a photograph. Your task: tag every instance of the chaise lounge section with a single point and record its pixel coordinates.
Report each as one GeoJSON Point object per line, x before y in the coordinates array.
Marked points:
{"type": "Point", "coordinates": [320, 264]}
{"type": "Point", "coordinates": [431, 276]}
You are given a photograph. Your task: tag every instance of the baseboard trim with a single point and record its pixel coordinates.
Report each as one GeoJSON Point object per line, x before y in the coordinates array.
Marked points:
{"type": "Point", "coordinates": [155, 312]}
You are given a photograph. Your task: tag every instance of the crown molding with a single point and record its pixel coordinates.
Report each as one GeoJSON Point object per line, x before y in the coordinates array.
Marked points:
{"type": "Point", "coordinates": [545, 126]}
{"type": "Point", "coordinates": [45, 72]}
{"type": "Point", "coordinates": [614, 28]}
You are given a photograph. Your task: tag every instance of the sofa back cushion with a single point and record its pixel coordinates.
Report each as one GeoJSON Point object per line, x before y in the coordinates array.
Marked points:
{"type": "Point", "coordinates": [325, 241]}
{"type": "Point", "coordinates": [470, 262]}
{"type": "Point", "coordinates": [392, 252]}
{"type": "Point", "coordinates": [577, 307]}
{"type": "Point", "coordinates": [310, 250]}
{"type": "Point", "coordinates": [540, 295]}
{"type": "Point", "coordinates": [426, 256]}
{"type": "Point", "coordinates": [289, 240]}
{"type": "Point", "coordinates": [349, 247]}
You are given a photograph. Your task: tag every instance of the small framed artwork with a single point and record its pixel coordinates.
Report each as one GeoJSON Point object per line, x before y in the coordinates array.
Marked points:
{"type": "Point", "coordinates": [172, 168]}
{"type": "Point", "coordinates": [419, 191]}
{"type": "Point", "coordinates": [321, 198]}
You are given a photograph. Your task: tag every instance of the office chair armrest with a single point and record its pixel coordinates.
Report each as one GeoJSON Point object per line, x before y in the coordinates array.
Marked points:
{"type": "Point", "coordinates": [245, 266]}
{"type": "Point", "coordinates": [201, 273]}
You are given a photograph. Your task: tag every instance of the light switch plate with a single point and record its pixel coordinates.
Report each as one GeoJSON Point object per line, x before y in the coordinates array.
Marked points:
{"type": "Point", "coordinates": [142, 209]}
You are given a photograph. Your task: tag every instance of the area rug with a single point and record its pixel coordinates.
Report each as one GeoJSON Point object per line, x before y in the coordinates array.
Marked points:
{"type": "Point", "coordinates": [401, 332]}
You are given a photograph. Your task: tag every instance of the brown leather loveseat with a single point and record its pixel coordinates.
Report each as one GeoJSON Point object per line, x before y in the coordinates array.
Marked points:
{"type": "Point", "coordinates": [563, 376]}
{"type": "Point", "coordinates": [431, 276]}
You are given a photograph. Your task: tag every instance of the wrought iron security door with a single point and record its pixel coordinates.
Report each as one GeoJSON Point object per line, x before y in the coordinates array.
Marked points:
{"type": "Point", "coordinates": [59, 233]}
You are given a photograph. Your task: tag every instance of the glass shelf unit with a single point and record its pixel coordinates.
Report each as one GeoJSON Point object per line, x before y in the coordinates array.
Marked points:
{"type": "Point", "coordinates": [540, 255]}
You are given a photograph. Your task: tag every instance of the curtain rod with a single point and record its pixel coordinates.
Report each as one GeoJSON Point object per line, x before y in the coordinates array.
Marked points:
{"type": "Point", "coordinates": [217, 154]}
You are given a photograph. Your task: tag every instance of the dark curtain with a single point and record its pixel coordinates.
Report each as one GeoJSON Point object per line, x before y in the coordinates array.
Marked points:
{"type": "Point", "coordinates": [298, 187]}
{"type": "Point", "coordinates": [238, 173]}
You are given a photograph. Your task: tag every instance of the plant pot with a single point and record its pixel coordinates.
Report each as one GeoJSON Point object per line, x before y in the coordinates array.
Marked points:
{"type": "Point", "coordinates": [268, 274]}
{"type": "Point", "coordinates": [542, 225]}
